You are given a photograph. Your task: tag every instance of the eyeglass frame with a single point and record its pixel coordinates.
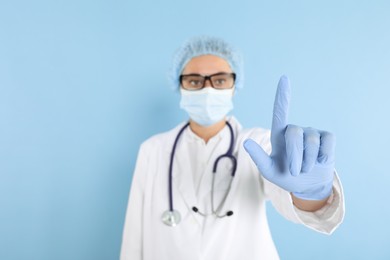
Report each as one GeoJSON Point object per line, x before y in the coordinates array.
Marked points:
{"type": "Point", "coordinates": [207, 77]}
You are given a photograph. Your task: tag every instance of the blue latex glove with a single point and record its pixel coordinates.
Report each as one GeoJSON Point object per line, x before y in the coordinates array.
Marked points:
{"type": "Point", "coordinates": [302, 159]}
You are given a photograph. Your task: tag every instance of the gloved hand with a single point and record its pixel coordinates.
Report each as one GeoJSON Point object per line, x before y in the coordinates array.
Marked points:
{"type": "Point", "coordinates": [302, 159]}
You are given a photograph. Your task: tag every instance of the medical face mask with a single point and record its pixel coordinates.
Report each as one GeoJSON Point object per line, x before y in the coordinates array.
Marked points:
{"type": "Point", "coordinates": [208, 105]}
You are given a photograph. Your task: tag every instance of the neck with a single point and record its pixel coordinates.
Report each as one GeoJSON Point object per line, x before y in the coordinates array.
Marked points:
{"type": "Point", "coordinates": [207, 132]}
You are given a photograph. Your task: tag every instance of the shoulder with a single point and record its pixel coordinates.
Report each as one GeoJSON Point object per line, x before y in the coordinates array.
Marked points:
{"type": "Point", "coordinates": [260, 135]}
{"type": "Point", "coordinates": [256, 133]}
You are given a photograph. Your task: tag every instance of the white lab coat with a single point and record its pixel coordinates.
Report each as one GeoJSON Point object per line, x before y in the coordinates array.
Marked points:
{"type": "Point", "coordinates": [245, 235]}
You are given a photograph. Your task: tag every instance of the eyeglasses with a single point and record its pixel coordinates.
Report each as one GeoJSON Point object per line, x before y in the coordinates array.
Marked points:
{"type": "Point", "coordinates": [220, 80]}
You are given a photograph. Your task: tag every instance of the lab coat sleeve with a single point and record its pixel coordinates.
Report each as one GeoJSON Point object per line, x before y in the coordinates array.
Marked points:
{"type": "Point", "coordinates": [324, 220]}
{"type": "Point", "coordinates": [132, 232]}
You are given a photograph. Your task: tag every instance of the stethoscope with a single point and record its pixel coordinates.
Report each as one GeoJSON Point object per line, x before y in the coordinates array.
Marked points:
{"type": "Point", "coordinates": [172, 217]}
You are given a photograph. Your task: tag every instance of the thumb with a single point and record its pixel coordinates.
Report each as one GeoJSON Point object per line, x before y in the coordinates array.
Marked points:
{"type": "Point", "coordinates": [262, 160]}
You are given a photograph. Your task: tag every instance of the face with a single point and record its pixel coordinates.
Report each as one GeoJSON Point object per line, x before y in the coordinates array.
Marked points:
{"type": "Point", "coordinates": [210, 106]}
{"type": "Point", "coordinates": [207, 65]}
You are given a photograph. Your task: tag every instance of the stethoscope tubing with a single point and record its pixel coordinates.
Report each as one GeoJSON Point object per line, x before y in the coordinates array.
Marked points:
{"type": "Point", "coordinates": [228, 154]}
{"type": "Point", "coordinates": [171, 166]}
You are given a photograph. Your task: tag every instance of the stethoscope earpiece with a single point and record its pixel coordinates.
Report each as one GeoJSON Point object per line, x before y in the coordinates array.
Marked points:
{"type": "Point", "coordinates": [228, 214]}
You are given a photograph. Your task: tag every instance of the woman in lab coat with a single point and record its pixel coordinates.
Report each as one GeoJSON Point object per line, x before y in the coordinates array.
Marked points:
{"type": "Point", "coordinates": [179, 209]}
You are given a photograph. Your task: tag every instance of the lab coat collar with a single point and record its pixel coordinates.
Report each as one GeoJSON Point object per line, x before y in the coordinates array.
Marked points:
{"type": "Point", "coordinates": [192, 137]}
{"type": "Point", "coordinates": [231, 119]}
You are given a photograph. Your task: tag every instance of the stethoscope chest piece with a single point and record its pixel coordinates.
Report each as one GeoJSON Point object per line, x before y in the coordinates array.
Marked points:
{"type": "Point", "coordinates": [171, 218]}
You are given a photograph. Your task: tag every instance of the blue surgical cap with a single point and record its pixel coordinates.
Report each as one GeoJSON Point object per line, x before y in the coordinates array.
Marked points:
{"type": "Point", "coordinates": [204, 45]}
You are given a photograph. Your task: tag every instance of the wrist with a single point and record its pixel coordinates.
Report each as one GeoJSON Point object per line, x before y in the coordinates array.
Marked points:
{"type": "Point", "coordinates": [309, 205]}
{"type": "Point", "coordinates": [316, 194]}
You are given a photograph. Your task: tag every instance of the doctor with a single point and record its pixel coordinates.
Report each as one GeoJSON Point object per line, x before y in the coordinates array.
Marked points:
{"type": "Point", "coordinates": [199, 190]}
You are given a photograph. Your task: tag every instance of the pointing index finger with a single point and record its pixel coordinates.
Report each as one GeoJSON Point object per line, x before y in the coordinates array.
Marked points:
{"type": "Point", "coordinates": [280, 114]}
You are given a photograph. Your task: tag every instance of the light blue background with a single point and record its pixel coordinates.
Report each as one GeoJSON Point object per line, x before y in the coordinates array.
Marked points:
{"type": "Point", "coordinates": [83, 83]}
